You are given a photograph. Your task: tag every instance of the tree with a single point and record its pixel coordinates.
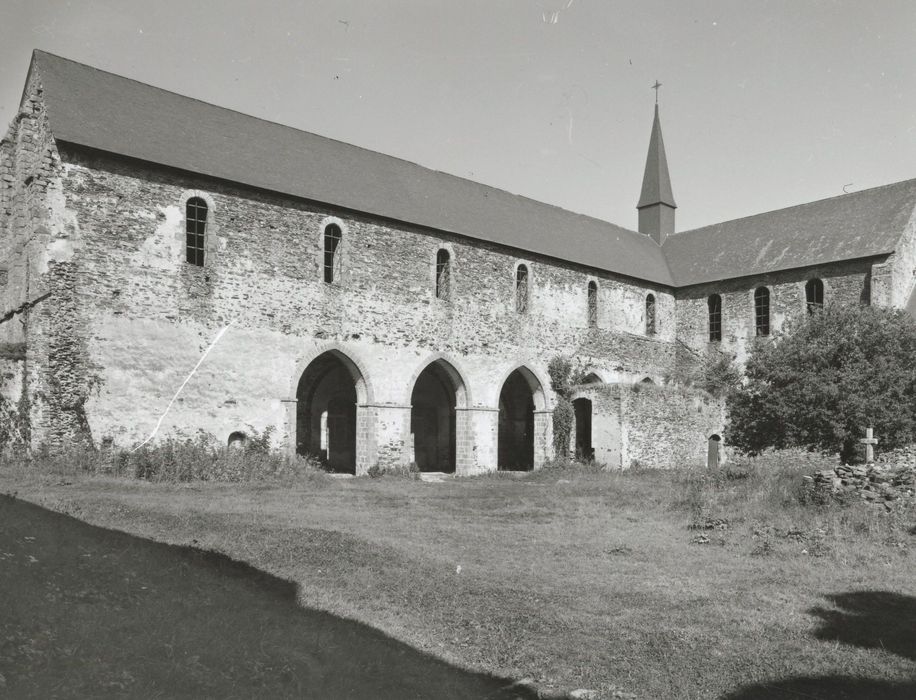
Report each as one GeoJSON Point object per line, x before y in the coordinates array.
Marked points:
{"type": "Point", "coordinates": [831, 375]}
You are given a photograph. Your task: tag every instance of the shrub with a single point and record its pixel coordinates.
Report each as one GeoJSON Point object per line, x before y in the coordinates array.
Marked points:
{"type": "Point", "coordinates": [831, 375]}
{"type": "Point", "coordinates": [563, 376]}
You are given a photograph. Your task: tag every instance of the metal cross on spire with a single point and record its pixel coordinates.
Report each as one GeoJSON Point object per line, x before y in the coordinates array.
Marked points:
{"type": "Point", "coordinates": [656, 87]}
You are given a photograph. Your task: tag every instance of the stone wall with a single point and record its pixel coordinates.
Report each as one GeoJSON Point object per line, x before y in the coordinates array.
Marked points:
{"type": "Point", "coordinates": [844, 283]}
{"type": "Point", "coordinates": [37, 291]}
{"type": "Point", "coordinates": [652, 426]}
{"type": "Point", "coordinates": [138, 317]}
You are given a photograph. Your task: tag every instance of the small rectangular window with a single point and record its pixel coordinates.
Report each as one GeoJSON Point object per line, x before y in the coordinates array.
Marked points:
{"type": "Point", "coordinates": [762, 311]}
{"type": "Point", "coordinates": [443, 275]}
{"type": "Point", "coordinates": [521, 289]}
{"type": "Point", "coordinates": [332, 238]}
{"type": "Point", "coordinates": [196, 228]}
{"type": "Point", "coordinates": [715, 318]}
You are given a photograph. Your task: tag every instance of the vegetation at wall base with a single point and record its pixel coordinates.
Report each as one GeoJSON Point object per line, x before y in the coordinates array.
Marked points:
{"type": "Point", "coordinates": [174, 458]}
{"type": "Point", "coordinates": [825, 380]}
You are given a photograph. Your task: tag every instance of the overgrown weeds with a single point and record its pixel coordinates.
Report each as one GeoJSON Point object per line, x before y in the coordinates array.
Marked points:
{"type": "Point", "coordinates": [763, 500]}
{"type": "Point", "coordinates": [172, 459]}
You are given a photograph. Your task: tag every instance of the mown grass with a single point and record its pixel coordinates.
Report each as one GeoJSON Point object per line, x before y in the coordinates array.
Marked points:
{"type": "Point", "coordinates": [661, 584]}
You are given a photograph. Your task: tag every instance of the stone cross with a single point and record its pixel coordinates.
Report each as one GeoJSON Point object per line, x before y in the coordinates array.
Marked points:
{"type": "Point", "coordinates": [869, 441]}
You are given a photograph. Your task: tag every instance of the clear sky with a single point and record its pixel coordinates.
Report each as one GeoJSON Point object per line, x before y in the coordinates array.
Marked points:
{"type": "Point", "coordinates": [764, 104]}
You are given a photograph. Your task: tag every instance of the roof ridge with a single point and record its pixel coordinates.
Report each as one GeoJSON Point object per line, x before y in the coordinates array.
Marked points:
{"type": "Point", "coordinates": [343, 143]}
{"type": "Point", "coordinates": [797, 206]}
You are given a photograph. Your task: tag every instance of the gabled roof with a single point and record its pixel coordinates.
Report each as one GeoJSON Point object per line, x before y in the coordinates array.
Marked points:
{"type": "Point", "coordinates": [100, 110]}
{"type": "Point", "coordinates": [856, 225]}
{"type": "Point", "coordinates": [656, 183]}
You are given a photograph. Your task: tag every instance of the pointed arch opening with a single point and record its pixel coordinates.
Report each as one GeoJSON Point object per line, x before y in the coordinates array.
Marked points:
{"type": "Point", "coordinates": [327, 398]}
{"type": "Point", "coordinates": [436, 393]}
{"type": "Point", "coordinates": [520, 395]}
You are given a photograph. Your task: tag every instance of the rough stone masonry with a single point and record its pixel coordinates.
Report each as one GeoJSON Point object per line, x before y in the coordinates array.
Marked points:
{"type": "Point", "coordinates": [365, 334]}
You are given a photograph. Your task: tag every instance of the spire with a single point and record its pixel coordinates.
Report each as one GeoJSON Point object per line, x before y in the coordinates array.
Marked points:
{"type": "Point", "coordinates": [656, 201]}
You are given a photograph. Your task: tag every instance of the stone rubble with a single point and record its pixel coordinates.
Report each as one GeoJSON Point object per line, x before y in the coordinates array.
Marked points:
{"type": "Point", "coordinates": [891, 477]}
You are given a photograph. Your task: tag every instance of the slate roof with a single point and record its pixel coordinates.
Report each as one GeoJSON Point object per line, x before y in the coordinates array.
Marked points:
{"type": "Point", "coordinates": [656, 182]}
{"type": "Point", "coordinates": [104, 111]}
{"type": "Point", "coordinates": [856, 225]}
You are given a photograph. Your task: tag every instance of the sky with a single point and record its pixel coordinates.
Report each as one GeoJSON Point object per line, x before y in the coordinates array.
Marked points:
{"type": "Point", "coordinates": [763, 104]}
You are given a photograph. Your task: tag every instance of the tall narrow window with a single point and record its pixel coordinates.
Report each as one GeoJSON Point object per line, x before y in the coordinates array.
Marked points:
{"type": "Point", "coordinates": [196, 228]}
{"type": "Point", "coordinates": [443, 275]}
{"type": "Point", "coordinates": [592, 305]}
{"type": "Point", "coordinates": [762, 311]}
{"type": "Point", "coordinates": [814, 295]}
{"type": "Point", "coordinates": [650, 314]}
{"type": "Point", "coordinates": [521, 289]}
{"type": "Point", "coordinates": [715, 317]}
{"type": "Point", "coordinates": [332, 236]}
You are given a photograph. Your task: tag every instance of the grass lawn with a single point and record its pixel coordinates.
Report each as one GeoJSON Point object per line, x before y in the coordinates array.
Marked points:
{"type": "Point", "coordinates": [655, 584]}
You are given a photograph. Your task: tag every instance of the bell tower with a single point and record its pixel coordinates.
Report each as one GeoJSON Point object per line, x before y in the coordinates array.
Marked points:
{"type": "Point", "coordinates": [656, 201]}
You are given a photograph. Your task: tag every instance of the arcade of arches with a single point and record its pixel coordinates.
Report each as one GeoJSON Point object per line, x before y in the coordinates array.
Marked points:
{"type": "Point", "coordinates": [434, 425]}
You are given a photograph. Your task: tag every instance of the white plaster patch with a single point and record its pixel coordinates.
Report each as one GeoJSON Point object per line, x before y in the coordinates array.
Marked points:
{"type": "Point", "coordinates": [162, 250]}
{"type": "Point", "coordinates": [63, 230]}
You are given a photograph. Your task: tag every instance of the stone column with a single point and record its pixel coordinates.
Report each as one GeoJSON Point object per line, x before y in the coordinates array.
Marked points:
{"type": "Point", "coordinates": [543, 437]}
{"type": "Point", "coordinates": [482, 432]}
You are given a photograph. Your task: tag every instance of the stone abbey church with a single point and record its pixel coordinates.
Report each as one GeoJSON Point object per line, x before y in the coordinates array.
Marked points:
{"type": "Point", "coordinates": [369, 310]}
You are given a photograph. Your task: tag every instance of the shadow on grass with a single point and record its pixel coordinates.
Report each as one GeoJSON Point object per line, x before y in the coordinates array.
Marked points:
{"type": "Point", "coordinates": [866, 619]}
{"type": "Point", "coordinates": [90, 612]}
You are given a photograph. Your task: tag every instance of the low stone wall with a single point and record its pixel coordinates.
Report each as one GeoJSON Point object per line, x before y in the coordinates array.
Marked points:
{"type": "Point", "coordinates": [891, 478]}
{"type": "Point", "coordinates": [653, 426]}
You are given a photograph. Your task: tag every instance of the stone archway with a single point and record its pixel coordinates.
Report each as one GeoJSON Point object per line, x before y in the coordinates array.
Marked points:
{"type": "Point", "coordinates": [434, 425]}
{"type": "Point", "coordinates": [327, 398]}
{"type": "Point", "coordinates": [520, 397]}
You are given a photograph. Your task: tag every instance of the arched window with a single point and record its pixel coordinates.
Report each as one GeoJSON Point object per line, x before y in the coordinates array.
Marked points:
{"type": "Point", "coordinates": [814, 295]}
{"type": "Point", "coordinates": [592, 304]}
{"type": "Point", "coordinates": [332, 237]}
{"type": "Point", "coordinates": [443, 275]}
{"type": "Point", "coordinates": [196, 230]}
{"type": "Point", "coordinates": [714, 304]}
{"type": "Point", "coordinates": [521, 289]}
{"type": "Point", "coordinates": [762, 311]}
{"type": "Point", "coordinates": [650, 314]}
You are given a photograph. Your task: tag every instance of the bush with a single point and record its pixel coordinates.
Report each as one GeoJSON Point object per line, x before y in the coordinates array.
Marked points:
{"type": "Point", "coordinates": [831, 375]}
{"type": "Point", "coordinates": [563, 376]}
